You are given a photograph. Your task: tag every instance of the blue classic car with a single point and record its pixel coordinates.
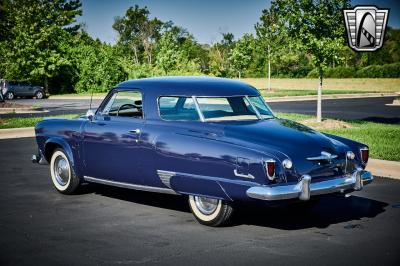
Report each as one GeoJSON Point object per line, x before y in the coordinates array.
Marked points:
{"type": "Point", "coordinates": [214, 140]}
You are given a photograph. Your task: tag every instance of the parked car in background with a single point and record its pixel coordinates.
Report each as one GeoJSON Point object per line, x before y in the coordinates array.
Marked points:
{"type": "Point", "coordinates": [213, 140]}
{"type": "Point", "coordinates": [13, 89]}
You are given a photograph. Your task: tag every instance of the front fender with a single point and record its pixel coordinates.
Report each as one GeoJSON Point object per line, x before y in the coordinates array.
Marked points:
{"type": "Point", "coordinates": [58, 141]}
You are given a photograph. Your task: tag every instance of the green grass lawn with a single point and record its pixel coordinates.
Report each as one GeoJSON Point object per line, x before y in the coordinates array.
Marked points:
{"type": "Point", "coordinates": [354, 85]}
{"type": "Point", "coordinates": [19, 122]}
{"type": "Point", "coordinates": [285, 92]}
{"type": "Point", "coordinates": [382, 139]}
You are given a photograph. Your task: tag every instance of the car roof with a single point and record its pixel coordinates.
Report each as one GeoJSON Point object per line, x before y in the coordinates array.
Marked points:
{"type": "Point", "coordinates": [190, 86]}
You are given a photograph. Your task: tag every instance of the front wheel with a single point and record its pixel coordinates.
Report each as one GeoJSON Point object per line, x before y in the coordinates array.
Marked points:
{"type": "Point", "coordinates": [211, 212]}
{"type": "Point", "coordinates": [62, 174]}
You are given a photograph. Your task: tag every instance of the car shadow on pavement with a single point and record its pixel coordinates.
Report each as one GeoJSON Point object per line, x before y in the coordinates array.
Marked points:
{"type": "Point", "coordinates": [172, 202]}
{"type": "Point", "coordinates": [328, 210]}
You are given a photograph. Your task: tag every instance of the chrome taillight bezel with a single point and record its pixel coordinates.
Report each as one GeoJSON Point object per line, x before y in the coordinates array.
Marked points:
{"type": "Point", "coordinates": [364, 149]}
{"type": "Point", "coordinates": [267, 165]}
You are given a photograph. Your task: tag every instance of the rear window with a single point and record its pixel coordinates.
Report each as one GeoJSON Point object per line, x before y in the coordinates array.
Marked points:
{"type": "Point", "coordinates": [226, 108]}
{"type": "Point", "coordinates": [178, 108]}
{"type": "Point", "coordinates": [234, 108]}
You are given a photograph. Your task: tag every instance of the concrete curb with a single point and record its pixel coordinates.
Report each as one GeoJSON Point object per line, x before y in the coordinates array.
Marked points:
{"type": "Point", "coordinates": [13, 133]}
{"type": "Point", "coordinates": [390, 169]}
{"type": "Point", "coordinates": [83, 97]}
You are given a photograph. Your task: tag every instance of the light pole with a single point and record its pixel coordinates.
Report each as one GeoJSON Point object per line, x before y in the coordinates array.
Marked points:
{"type": "Point", "coordinates": [269, 68]}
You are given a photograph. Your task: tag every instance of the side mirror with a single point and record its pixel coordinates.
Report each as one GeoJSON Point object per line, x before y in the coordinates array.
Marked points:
{"type": "Point", "coordinates": [90, 114]}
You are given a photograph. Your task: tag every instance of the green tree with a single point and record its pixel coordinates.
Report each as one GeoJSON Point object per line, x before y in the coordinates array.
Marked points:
{"type": "Point", "coordinates": [97, 66]}
{"type": "Point", "coordinates": [241, 54]}
{"type": "Point", "coordinates": [318, 25]}
{"type": "Point", "coordinates": [219, 56]}
{"type": "Point", "coordinates": [138, 33]}
{"type": "Point", "coordinates": [172, 59]}
{"type": "Point", "coordinates": [271, 33]}
{"type": "Point", "coordinates": [39, 30]}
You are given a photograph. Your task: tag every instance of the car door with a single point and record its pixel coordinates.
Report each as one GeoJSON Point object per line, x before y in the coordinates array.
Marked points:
{"type": "Point", "coordinates": [29, 90]}
{"type": "Point", "coordinates": [111, 140]}
{"type": "Point", "coordinates": [23, 88]}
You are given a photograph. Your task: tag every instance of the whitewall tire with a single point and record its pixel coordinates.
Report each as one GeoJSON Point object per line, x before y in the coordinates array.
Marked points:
{"type": "Point", "coordinates": [211, 212]}
{"type": "Point", "coordinates": [62, 173]}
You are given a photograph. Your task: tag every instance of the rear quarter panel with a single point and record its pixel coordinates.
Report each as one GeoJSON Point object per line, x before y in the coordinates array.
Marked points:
{"type": "Point", "coordinates": [204, 164]}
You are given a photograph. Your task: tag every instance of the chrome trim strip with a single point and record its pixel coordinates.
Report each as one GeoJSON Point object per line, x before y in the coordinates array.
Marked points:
{"type": "Point", "coordinates": [254, 108]}
{"type": "Point", "coordinates": [325, 156]}
{"type": "Point", "coordinates": [130, 186]}
{"type": "Point", "coordinates": [165, 177]}
{"type": "Point", "coordinates": [242, 175]}
{"type": "Point", "coordinates": [198, 109]}
{"type": "Point", "coordinates": [304, 188]}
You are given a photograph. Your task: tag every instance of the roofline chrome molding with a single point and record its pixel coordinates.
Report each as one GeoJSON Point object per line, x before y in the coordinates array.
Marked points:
{"type": "Point", "coordinates": [304, 188]}
{"type": "Point", "coordinates": [254, 108]}
{"type": "Point", "coordinates": [130, 186]}
{"type": "Point", "coordinates": [198, 109]}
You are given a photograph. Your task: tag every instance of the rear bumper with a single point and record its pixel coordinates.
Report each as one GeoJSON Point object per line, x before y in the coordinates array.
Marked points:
{"type": "Point", "coordinates": [304, 189]}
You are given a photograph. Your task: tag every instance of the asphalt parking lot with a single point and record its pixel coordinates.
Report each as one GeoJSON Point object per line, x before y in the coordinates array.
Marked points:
{"type": "Point", "coordinates": [113, 226]}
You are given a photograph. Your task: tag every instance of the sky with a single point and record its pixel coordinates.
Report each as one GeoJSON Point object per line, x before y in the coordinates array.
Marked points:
{"type": "Point", "coordinates": [205, 19]}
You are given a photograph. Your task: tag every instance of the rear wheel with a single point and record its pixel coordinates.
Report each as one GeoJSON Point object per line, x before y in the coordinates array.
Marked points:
{"type": "Point", "coordinates": [62, 174]}
{"type": "Point", "coordinates": [10, 95]}
{"type": "Point", "coordinates": [39, 95]}
{"type": "Point", "coordinates": [211, 212]}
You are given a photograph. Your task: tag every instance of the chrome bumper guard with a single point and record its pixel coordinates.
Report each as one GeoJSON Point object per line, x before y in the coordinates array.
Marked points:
{"type": "Point", "coordinates": [304, 188]}
{"type": "Point", "coordinates": [38, 158]}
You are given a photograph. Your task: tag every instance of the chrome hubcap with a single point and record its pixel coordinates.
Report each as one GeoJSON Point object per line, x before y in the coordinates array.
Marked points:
{"type": "Point", "coordinates": [206, 205]}
{"type": "Point", "coordinates": [61, 170]}
{"type": "Point", "coordinates": [39, 95]}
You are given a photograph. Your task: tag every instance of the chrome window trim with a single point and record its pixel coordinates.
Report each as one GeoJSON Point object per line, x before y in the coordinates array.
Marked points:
{"type": "Point", "coordinates": [254, 108]}
{"type": "Point", "coordinates": [198, 109]}
{"type": "Point", "coordinates": [99, 110]}
{"type": "Point", "coordinates": [216, 96]}
{"type": "Point", "coordinates": [177, 96]}
{"type": "Point", "coordinates": [130, 186]}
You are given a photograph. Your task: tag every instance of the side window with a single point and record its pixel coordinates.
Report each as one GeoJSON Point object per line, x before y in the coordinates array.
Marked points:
{"type": "Point", "coordinates": [178, 108]}
{"type": "Point", "coordinates": [124, 103]}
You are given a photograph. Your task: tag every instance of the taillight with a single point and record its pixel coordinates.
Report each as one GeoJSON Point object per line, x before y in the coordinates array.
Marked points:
{"type": "Point", "coordinates": [364, 152]}
{"type": "Point", "coordinates": [270, 169]}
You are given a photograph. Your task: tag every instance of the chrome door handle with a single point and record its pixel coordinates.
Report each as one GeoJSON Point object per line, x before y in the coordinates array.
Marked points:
{"type": "Point", "coordinates": [136, 131]}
